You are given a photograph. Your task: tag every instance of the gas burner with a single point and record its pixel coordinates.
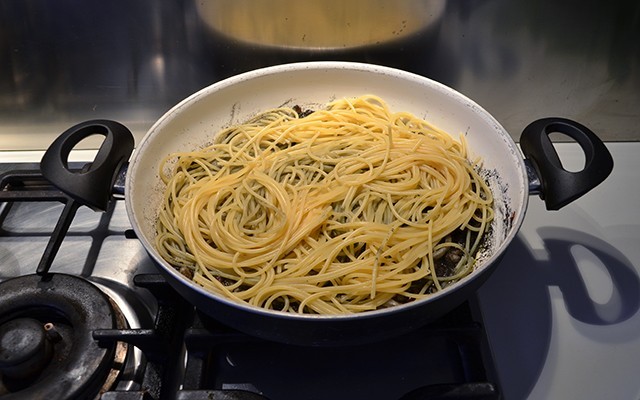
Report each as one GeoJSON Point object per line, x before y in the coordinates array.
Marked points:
{"type": "Point", "coordinates": [47, 350]}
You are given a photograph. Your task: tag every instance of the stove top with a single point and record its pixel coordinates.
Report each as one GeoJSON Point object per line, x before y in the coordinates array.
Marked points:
{"type": "Point", "coordinates": [79, 284]}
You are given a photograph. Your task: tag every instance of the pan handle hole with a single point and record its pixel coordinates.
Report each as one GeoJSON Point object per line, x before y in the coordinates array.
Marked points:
{"type": "Point", "coordinates": [572, 162]}
{"type": "Point", "coordinates": [85, 148]}
{"type": "Point", "coordinates": [91, 142]}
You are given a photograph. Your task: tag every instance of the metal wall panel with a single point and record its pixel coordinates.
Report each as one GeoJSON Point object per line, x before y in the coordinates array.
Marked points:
{"type": "Point", "coordinates": [66, 61]}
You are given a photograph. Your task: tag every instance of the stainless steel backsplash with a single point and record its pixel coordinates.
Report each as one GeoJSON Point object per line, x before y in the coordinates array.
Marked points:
{"type": "Point", "coordinates": [65, 61]}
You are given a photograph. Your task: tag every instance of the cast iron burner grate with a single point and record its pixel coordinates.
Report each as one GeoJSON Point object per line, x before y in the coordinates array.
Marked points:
{"type": "Point", "coordinates": [192, 356]}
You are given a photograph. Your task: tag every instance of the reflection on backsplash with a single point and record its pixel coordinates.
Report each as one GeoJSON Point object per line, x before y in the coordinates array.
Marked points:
{"type": "Point", "coordinates": [66, 61]}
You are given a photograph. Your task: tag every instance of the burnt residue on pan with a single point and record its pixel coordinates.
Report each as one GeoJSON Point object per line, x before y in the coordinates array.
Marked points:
{"type": "Point", "coordinates": [504, 217]}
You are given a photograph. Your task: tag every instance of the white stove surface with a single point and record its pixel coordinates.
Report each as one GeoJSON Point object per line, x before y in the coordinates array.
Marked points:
{"type": "Point", "coordinates": [562, 311]}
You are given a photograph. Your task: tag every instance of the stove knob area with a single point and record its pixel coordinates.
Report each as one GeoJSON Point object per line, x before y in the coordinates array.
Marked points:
{"type": "Point", "coordinates": [26, 347]}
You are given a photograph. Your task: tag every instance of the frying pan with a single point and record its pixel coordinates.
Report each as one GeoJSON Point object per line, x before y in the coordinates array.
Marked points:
{"type": "Point", "coordinates": [194, 121]}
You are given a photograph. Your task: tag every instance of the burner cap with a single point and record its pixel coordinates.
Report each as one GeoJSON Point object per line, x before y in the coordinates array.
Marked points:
{"type": "Point", "coordinates": [25, 348]}
{"type": "Point", "coordinates": [46, 344]}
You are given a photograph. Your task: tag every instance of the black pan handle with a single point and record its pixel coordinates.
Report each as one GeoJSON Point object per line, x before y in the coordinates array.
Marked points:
{"type": "Point", "coordinates": [91, 186]}
{"type": "Point", "coordinates": [559, 186]}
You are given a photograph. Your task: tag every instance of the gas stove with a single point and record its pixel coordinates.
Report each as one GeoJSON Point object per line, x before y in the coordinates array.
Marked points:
{"type": "Point", "coordinates": [558, 319]}
{"type": "Point", "coordinates": [85, 314]}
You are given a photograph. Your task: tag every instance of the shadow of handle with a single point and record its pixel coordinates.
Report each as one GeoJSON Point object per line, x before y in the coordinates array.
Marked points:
{"type": "Point", "coordinates": [625, 299]}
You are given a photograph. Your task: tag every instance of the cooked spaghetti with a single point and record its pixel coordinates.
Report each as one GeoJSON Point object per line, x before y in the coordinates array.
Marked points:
{"type": "Point", "coordinates": [341, 210]}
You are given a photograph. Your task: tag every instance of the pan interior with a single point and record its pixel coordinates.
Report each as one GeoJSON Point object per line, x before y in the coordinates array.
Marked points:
{"type": "Point", "coordinates": [194, 122]}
